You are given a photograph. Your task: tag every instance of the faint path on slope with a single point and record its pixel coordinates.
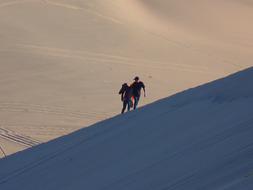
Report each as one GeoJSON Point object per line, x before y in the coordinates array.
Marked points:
{"type": "Point", "coordinates": [89, 10]}
{"type": "Point", "coordinates": [63, 5]}
{"type": "Point", "coordinates": [22, 132]}
{"type": "Point", "coordinates": [196, 50]}
{"type": "Point", "coordinates": [15, 2]}
{"type": "Point", "coordinates": [43, 132]}
{"type": "Point", "coordinates": [104, 55]}
{"type": "Point", "coordinates": [18, 138]}
{"type": "Point", "coordinates": [55, 110]}
{"type": "Point", "coordinates": [103, 58]}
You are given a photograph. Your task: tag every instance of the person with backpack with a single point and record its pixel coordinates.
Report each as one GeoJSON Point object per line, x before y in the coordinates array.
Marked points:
{"type": "Point", "coordinates": [126, 95]}
{"type": "Point", "coordinates": [137, 86]}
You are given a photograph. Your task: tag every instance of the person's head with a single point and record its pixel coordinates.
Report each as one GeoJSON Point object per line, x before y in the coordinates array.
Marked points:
{"type": "Point", "coordinates": [124, 85]}
{"type": "Point", "coordinates": [136, 79]}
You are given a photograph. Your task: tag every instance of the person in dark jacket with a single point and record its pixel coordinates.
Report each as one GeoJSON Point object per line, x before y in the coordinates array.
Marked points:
{"type": "Point", "coordinates": [126, 94]}
{"type": "Point", "coordinates": [137, 86]}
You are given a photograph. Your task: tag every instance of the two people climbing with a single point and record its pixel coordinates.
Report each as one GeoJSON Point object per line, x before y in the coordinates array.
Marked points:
{"type": "Point", "coordinates": [130, 95]}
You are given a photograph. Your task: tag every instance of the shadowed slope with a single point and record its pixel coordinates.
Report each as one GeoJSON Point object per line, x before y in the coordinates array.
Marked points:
{"type": "Point", "coordinates": [198, 139]}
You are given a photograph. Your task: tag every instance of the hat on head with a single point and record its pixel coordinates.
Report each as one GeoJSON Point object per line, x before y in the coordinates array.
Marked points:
{"type": "Point", "coordinates": [136, 78]}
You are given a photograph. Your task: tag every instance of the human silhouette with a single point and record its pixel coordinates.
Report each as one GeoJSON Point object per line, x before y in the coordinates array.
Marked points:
{"type": "Point", "coordinates": [126, 94]}
{"type": "Point", "coordinates": [136, 87]}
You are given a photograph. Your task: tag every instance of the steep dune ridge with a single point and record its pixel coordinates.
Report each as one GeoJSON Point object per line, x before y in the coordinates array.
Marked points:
{"type": "Point", "coordinates": [198, 139]}
{"type": "Point", "coordinates": [62, 62]}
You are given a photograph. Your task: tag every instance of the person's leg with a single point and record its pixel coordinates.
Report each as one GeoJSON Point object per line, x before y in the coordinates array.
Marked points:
{"type": "Point", "coordinates": [128, 105]}
{"type": "Point", "coordinates": [124, 106]}
{"type": "Point", "coordinates": [136, 101]}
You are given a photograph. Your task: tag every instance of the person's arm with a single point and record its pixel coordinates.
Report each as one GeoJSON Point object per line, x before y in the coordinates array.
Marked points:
{"type": "Point", "coordinates": [122, 95]}
{"type": "Point", "coordinates": [120, 91]}
{"type": "Point", "coordinates": [143, 86]}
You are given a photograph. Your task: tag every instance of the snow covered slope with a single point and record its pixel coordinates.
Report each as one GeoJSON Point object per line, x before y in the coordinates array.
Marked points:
{"type": "Point", "coordinates": [198, 139]}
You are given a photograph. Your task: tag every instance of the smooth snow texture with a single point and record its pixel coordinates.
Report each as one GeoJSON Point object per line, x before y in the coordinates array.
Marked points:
{"type": "Point", "coordinates": [63, 61]}
{"type": "Point", "coordinates": [198, 139]}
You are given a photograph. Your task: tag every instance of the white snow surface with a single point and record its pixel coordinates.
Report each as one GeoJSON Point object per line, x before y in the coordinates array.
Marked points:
{"type": "Point", "coordinates": [201, 138]}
